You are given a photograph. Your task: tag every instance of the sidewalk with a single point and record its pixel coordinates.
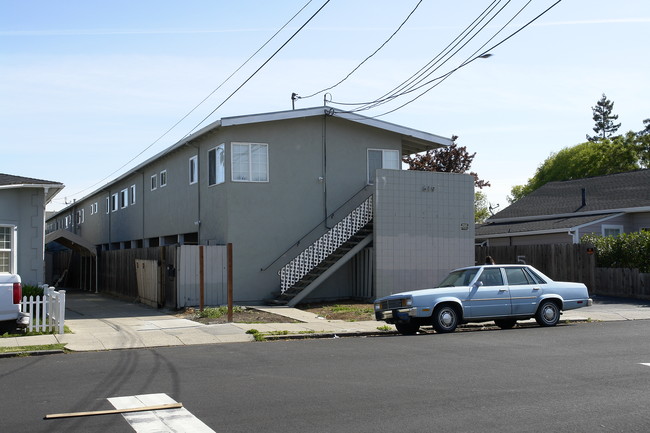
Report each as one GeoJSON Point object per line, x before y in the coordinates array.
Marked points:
{"type": "Point", "coordinates": [103, 323]}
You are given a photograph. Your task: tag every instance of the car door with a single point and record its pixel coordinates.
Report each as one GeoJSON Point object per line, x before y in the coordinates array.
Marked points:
{"type": "Point", "coordinates": [524, 290]}
{"type": "Point", "coordinates": [491, 298]}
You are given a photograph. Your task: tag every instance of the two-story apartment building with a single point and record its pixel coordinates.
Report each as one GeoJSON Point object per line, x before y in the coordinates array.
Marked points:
{"type": "Point", "coordinates": [272, 184]}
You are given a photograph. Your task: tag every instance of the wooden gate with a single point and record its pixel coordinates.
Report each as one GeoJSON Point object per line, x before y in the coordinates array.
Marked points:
{"type": "Point", "coordinates": [214, 275]}
{"type": "Point", "coordinates": [147, 274]}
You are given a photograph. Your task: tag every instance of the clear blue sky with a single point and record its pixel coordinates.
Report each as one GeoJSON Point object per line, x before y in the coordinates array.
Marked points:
{"type": "Point", "coordinates": [86, 85]}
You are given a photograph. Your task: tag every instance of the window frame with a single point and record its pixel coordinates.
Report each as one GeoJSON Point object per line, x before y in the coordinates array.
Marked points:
{"type": "Point", "coordinates": [250, 162]}
{"type": "Point", "coordinates": [216, 165]}
{"type": "Point", "coordinates": [10, 253]}
{"type": "Point", "coordinates": [132, 194]}
{"type": "Point", "coordinates": [606, 227]}
{"type": "Point", "coordinates": [370, 177]}
{"type": "Point", "coordinates": [124, 198]}
{"type": "Point", "coordinates": [193, 169]}
{"type": "Point", "coordinates": [163, 178]}
{"type": "Point", "coordinates": [115, 202]}
{"type": "Point", "coordinates": [154, 181]}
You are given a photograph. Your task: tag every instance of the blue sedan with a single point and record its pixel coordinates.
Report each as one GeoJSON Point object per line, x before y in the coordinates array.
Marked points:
{"type": "Point", "coordinates": [499, 293]}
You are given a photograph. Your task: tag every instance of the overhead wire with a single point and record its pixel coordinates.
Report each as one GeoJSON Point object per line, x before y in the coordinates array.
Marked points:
{"type": "Point", "coordinates": [471, 59]}
{"type": "Point", "coordinates": [367, 58]}
{"type": "Point", "coordinates": [205, 99]}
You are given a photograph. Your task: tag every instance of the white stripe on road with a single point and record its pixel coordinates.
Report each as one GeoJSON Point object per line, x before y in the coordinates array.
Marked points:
{"type": "Point", "coordinates": [160, 421]}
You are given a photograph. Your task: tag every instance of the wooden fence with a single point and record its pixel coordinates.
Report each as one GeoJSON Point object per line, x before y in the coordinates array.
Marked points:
{"type": "Point", "coordinates": [572, 262]}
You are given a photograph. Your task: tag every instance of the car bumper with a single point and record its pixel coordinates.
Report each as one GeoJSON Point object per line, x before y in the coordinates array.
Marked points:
{"type": "Point", "coordinates": [398, 314]}
{"type": "Point", "coordinates": [590, 302]}
{"type": "Point", "coordinates": [23, 320]}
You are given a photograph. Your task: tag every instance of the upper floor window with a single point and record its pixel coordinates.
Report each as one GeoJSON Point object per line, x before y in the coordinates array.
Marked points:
{"type": "Point", "coordinates": [81, 216]}
{"type": "Point", "coordinates": [124, 198]}
{"type": "Point", "coordinates": [132, 191]}
{"type": "Point", "coordinates": [93, 208]}
{"type": "Point", "coordinates": [194, 169]}
{"type": "Point", "coordinates": [163, 178]}
{"type": "Point", "coordinates": [108, 204]}
{"type": "Point", "coordinates": [6, 248]}
{"type": "Point", "coordinates": [381, 158]}
{"type": "Point", "coordinates": [154, 182]}
{"type": "Point", "coordinates": [217, 165]}
{"type": "Point", "coordinates": [250, 162]}
{"type": "Point", "coordinates": [114, 202]}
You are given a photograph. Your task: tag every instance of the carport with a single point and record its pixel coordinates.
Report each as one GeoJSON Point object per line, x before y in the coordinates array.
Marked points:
{"type": "Point", "coordinates": [83, 247]}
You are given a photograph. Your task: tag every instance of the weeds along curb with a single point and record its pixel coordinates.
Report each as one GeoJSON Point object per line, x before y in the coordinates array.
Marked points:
{"type": "Point", "coordinates": [31, 353]}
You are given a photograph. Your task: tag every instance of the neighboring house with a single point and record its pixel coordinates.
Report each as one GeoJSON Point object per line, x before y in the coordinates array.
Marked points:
{"type": "Point", "coordinates": [272, 184]}
{"type": "Point", "coordinates": [561, 212]}
{"type": "Point", "coordinates": [22, 224]}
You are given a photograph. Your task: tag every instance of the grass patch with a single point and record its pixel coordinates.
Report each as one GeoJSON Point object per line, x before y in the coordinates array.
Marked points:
{"type": "Point", "coordinates": [384, 328]}
{"type": "Point", "coordinates": [32, 348]}
{"type": "Point", "coordinates": [217, 312]}
{"type": "Point", "coordinates": [257, 335]}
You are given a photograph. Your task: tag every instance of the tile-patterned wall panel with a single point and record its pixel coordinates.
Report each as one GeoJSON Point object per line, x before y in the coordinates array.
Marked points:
{"type": "Point", "coordinates": [423, 228]}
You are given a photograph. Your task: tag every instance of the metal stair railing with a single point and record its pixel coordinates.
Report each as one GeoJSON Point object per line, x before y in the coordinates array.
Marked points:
{"type": "Point", "coordinates": [313, 255]}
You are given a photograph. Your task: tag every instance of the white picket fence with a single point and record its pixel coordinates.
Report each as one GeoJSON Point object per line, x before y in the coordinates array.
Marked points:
{"type": "Point", "coordinates": [46, 313]}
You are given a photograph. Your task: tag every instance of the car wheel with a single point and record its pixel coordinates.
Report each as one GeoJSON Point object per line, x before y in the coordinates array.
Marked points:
{"type": "Point", "coordinates": [548, 314]}
{"type": "Point", "coordinates": [409, 328]}
{"type": "Point", "coordinates": [445, 319]}
{"type": "Point", "coordinates": [505, 323]}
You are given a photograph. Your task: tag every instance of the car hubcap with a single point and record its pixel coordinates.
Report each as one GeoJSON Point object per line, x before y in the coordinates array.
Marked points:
{"type": "Point", "coordinates": [446, 318]}
{"type": "Point", "coordinates": [549, 313]}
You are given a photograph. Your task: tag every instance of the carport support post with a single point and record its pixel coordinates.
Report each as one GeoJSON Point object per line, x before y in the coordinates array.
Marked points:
{"type": "Point", "coordinates": [229, 259]}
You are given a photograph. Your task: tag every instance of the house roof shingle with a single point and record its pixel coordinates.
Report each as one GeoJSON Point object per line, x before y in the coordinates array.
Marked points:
{"type": "Point", "coordinates": [10, 179]}
{"type": "Point", "coordinates": [602, 193]}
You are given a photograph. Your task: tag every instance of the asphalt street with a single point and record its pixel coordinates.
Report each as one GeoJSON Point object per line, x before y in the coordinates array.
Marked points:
{"type": "Point", "coordinates": [583, 377]}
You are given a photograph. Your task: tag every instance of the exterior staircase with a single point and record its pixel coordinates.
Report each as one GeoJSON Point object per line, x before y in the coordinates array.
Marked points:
{"type": "Point", "coordinates": [325, 256]}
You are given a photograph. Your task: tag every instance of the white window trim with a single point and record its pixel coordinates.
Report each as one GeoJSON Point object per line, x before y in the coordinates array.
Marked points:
{"type": "Point", "coordinates": [193, 168]}
{"type": "Point", "coordinates": [81, 216]}
{"type": "Point", "coordinates": [605, 227]}
{"type": "Point", "coordinates": [250, 163]}
{"type": "Point", "coordinates": [108, 205]}
{"type": "Point", "coordinates": [124, 198]}
{"type": "Point", "coordinates": [218, 180]}
{"type": "Point", "coordinates": [154, 182]}
{"type": "Point", "coordinates": [132, 192]}
{"type": "Point", "coordinates": [163, 178]}
{"type": "Point", "coordinates": [13, 252]}
{"type": "Point", "coordinates": [382, 160]}
{"type": "Point", "coordinates": [115, 202]}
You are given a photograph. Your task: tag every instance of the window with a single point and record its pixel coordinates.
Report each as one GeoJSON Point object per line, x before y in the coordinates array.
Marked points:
{"type": "Point", "coordinates": [492, 277]}
{"type": "Point", "coordinates": [114, 202]}
{"type": "Point", "coordinates": [132, 190]}
{"type": "Point", "coordinates": [194, 170]}
{"type": "Point", "coordinates": [163, 178]}
{"type": "Point", "coordinates": [68, 221]}
{"type": "Point", "coordinates": [6, 248]}
{"type": "Point", "coordinates": [81, 216]}
{"type": "Point", "coordinates": [154, 182]}
{"type": "Point", "coordinates": [217, 165]}
{"type": "Point", "coordinates": [517, 277]}
{"type": "Point", "coordinates": [250, 162]}
{"type": "Point", "coordinates": [93, 208]}
{"type": "Point", "coordinates": [108, 205]}
{"type": "Point", "coordinates": [612, 230]}
{"type": "Point", "coordinates": [381, 158]}
{"type": "Point", "coordinates": [124, 198]}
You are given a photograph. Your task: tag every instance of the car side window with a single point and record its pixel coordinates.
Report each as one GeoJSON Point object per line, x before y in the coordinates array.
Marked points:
{"type": "Point", "coordinates": [492, 277]}
{"type": "Point", "coordinates": [535, 277]}
{"type": "Point", "coordinates": [517, 277]}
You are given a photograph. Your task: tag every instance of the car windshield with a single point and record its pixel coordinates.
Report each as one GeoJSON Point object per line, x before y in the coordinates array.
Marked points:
{"type": "Point", "coordinates": [462, 277]}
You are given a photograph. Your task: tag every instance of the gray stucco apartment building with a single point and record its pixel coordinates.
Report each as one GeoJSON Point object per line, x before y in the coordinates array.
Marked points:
{"type": "Point", "coordinates": [271, 184]}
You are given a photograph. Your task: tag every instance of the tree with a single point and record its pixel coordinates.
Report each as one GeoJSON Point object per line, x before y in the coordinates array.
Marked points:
{"type": "Point", "coordinates": [481, 208]}
{"type": "Point", "coordinates": [602, 115]}
{"type": "Point", "coordinates": [451, 159]}
{"type": "Point", "coordinates": [620, 154]}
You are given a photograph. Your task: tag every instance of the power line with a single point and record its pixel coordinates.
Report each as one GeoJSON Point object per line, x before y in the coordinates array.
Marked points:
{"type": "Point", "coordinates": [199, 104]}
{"type": "Point", "coordinates": [367, 58]}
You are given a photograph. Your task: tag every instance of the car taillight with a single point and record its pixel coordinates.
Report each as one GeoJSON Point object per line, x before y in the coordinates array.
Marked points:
{"type": "Point", "coordinates": [18, 293]}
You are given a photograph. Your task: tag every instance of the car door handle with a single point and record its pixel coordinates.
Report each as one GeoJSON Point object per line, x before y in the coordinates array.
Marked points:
{"type": "Point", "coordinates": [535, 288]}
{"type": "Point", "coordinates": [503, 290]}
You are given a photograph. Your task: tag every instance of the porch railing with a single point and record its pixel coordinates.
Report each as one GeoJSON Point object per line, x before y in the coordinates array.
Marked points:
{"type": "Point", "coordinates": [313, 255]}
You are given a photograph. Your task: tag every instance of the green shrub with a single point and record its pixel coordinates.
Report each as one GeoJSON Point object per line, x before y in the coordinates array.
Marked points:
{"type": "Point", "coordinates": [32, 291]}
{"type": "Point", "coordinates": [627, 250]}
{"type": "Point", "coordinates": [217, 312]}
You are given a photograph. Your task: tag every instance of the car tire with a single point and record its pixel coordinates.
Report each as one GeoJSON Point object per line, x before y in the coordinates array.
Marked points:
{"type": "Point", "coordinates": [445, 319]}
{"type": "Point", "coordinates": [505, 323]}
{"type": "Point", "coordinates": [548, 313]}
{"type": "Point", "coordinates": [409, 328]}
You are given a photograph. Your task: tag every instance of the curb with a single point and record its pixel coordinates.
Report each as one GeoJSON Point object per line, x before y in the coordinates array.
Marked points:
{"type": "Point", "coordinates": [31, 353]}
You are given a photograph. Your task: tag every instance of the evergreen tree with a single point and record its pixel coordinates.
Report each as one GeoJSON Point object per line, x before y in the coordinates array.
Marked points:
{"type": "Point", "coordinates": [605, 126]}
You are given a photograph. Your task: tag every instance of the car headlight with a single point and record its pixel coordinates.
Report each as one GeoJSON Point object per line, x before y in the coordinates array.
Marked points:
{"type": "Point", "coordinates": [407, 302]}
{"type": "Point", "coordinates": [377, 306]}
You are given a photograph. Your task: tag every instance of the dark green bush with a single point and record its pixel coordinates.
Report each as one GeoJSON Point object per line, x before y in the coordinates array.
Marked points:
{"type": "Point", "coordinates": [32, 291]}
{"type": "Point", "coordinates": [627, 250]}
